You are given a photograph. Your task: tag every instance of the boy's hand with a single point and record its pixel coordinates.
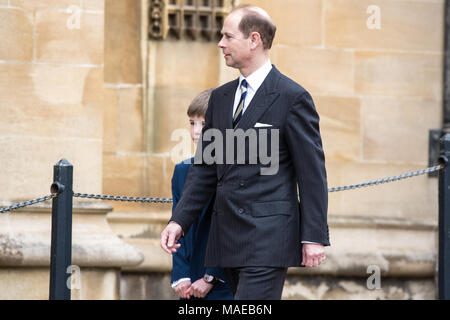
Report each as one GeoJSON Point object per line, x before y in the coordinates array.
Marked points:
{"type": "Point", "coordinates": [169, 236]}
{"type": "Point", "coordinates": [182, 289]}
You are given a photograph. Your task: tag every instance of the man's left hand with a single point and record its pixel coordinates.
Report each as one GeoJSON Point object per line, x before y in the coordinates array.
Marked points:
{"type": "Point", "coordinates": [313, 254]}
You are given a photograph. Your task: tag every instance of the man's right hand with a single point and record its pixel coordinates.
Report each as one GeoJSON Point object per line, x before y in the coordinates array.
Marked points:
{"type": "Point", "coordinates": [169, 236]}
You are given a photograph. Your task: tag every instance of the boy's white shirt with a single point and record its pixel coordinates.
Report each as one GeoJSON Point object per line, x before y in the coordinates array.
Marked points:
{"type": "Point", "coordinates": [175, 283]}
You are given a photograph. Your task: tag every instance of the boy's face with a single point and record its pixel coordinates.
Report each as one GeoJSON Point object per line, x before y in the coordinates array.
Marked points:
{"type": "Point", "coordinates": [196, 124]}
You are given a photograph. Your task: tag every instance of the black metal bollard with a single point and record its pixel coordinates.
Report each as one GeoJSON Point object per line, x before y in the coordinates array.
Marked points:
{"type": "Point", "coordinates": [444, 221]}
{"type": "Point", "coordinates": [61, 246]}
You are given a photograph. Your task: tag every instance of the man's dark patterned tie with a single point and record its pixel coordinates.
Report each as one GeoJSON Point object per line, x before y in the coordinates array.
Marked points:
{"type": "Point", "coordinates": [238, 114]}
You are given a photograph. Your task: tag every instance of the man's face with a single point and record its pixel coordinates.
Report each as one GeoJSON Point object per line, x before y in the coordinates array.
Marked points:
{"type": "Point", "coordinates": [235, 47]}
{"type": "Point", "coordinates": [196, 124]}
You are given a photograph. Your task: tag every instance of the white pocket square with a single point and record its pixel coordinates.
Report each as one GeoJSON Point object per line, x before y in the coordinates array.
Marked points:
{"type": "Point", "coordinates": [261, 125]}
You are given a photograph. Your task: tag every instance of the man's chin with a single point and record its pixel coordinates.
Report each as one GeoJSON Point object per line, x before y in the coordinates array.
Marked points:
{"type": "Point", "coordinates": [232, 64]}
{"type": "Point", "coordinates": [229, 62]}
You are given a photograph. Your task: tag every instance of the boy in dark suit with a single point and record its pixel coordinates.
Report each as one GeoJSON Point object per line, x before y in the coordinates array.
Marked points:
{"type": "Point", "coordinates": [190, 278]}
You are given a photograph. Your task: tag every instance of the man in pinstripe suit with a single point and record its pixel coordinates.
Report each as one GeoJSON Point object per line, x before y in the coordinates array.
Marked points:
{"type": "Point", "coordinates": [258, 226]}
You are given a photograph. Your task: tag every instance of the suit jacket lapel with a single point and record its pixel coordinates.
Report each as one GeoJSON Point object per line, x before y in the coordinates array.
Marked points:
{"type": "Point", "coordinates": [228, 102]}
{"type": "Point", "coordinates": [263, 99]}
{"type": "Point", "coordinates": [226, 121]}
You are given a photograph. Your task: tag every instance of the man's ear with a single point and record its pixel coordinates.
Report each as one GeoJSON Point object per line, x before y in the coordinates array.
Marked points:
{"type": "Point", "coordinates": [255, 39]}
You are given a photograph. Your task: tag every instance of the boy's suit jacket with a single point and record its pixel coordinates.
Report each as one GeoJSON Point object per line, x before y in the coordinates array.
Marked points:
{"type": "Point", "coordinates": [189, 260]}
{"type": "Point", "coordinates": [257, 219]}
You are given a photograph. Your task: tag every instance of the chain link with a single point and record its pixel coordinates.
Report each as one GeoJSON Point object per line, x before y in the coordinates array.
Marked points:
{"type": "Point", "coordinates": [389, 179]}
{"type": "Point", "coordinates": [118, 198]}
{"type": "Point", "coordinates": [28, 203]}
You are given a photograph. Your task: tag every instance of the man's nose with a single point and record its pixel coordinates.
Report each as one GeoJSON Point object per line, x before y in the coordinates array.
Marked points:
{"type": "Point", "coordinates": [220, 44]}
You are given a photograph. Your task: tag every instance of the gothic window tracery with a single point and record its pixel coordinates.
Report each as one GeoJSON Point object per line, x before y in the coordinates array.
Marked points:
{"type": "Point", "coordinates": [187, 19]}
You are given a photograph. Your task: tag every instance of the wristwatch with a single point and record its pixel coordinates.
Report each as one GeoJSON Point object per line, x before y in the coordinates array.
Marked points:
{"type": "Point", "coordinates": [210, 279]}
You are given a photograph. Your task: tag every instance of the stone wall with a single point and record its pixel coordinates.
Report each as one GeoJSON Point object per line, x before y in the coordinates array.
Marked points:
{"type": "Point", "coordinates": [51, 70]}
{"type": "Point", "coordinates": [52, 106]}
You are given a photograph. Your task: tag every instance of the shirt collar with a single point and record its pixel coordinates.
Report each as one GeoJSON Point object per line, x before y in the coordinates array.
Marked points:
{"type": "Point", "coordinates": [257, 78]}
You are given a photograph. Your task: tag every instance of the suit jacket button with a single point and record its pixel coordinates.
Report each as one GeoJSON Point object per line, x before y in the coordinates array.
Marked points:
{"type": "Point", "coordinates": [242, 183]}
{"type": "Point", "coordinates": [241, 210]}
{"type": "Point", "coordinates": [219, 184]}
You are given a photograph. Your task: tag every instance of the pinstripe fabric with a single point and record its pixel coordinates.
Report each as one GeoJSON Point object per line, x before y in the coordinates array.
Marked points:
{"type": "Point", "coordinates": [256, 283]}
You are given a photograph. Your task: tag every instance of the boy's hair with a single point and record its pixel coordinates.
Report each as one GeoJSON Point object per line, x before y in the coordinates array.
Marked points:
{"type": "Point", "coordinates": [199, 105]}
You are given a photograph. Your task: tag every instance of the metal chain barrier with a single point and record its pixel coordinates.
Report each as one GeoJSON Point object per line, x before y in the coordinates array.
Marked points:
{"type": "Point", "coordinates": [117, 198]}
{"type": "Point", "coordinates": [28, 203]}
{"type": "Point", "coordinates": [169, 200]}
{"type": "Point", "coordinates": [389, 179]}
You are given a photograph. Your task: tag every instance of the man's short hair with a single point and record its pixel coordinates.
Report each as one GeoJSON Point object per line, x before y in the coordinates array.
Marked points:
{"type": "Point", "coordinates": [199, 105]}
{"type": "Point", "coordinates": [254, 21]}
